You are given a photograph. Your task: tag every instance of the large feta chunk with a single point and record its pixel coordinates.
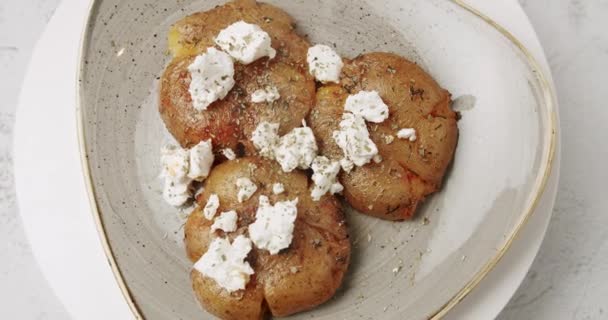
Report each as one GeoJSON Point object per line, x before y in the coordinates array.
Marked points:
{"type": "Point", "coordinates": [265, 138]}
{"type": "Point", "coordinates": [175, 165]}
{"type": "Point", "coordinates": [407, 133]}
{"type": "Point", "coordinates": [225, 222]}
{"type": "Point", "coordinates": [368, 105]}
{"type": "Point", "coordinates": [324, 176]}
{"type": "Point", "coordinates": [273, 227]}
{"type": "Point", "coordinates": [175, 162]}
{"type": "Point", "coordinates": [246, 189]}
{"type": "Point", "coordinates": [353, 138]}
{"type": "Point", "coordinates": [268, 94]}
{"type": "Point", "coordinates": [211, 206]}
{"type": "Point", "coordinates": [296, 149]}
{"type": "Point", "coordinates": [212, 75]}
{"type": "Point", "coordinates": [225, 263]}
{"type": "Point", "coordinates": [245, 42]}
{"type": "Point", "coordinates": [201, 160]}
{"type": "Point", "coordinates": [324, 63]}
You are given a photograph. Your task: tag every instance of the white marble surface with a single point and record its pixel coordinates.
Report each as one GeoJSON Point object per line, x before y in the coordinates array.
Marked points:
{"type": "Point", "coordinates": [567, 280]}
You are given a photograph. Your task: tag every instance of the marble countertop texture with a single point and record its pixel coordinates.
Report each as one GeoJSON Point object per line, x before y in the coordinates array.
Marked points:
{"type": "Point", "coordinates": [569, 278]}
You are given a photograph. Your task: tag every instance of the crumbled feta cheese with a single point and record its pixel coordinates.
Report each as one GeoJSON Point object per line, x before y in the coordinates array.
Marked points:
{"type": "Point", "coordinates": [201, 160]}
{"type": "Point", "coordinates": [273, 227]}
{"type": "Point", "coordinates": [265, 138]}
{"type": "Point", "coordinates": [175, 165]}
{"type": "Point", "coordinates": [388, 139]}
{"type": "Point", "coordinates": [246, 188]}
{"type": "Point", "coordinates": [336, 188]}
{"type": "Point", "coordinates": [212, 76]}
{"type": "Point", "coordinates": [324, 177]}
{"type": "Point", "coordinates": [296, 149]}
{"type": "Point", "coordinates": [174, 162]}
{"type": "Point", "coordinates": [268, 94]}
{"type": "Point", "coordinates": [377, 158]}
{"type": "Point", "coordinates": [226, 222]}
{"type": "Point", "coordinates": [407, 133]}
{"type": "Point", "coordinates": [278, 188]}
{"type": "Point", "coordinates": [353, 139]}
{"type": "Point", "coordinates": [368, 105]}
{"type": "Point", "coordinates": [324, 63]}
{"type": "Point", "coordinates": [176, 193]}
{"type": "Point", "coordinates": [229, 154]}
{"type": "Point", "coordinates": [245, 42]}
{"type": "Point", "coordinates": [211, 206]}
{"type": "Point", "coordinates": [346, 165]}
{"type": "Point", "coordinates": [225, 263]}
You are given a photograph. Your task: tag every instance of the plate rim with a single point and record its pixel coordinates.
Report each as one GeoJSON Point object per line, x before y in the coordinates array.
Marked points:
{"type": "Point", "coordinates": [539, 189]}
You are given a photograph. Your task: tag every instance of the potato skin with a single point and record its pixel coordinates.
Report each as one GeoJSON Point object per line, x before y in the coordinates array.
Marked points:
{"type": "Point", "coordinates": [409, 171]}
{"type": "Point", "coordinates": [300, 277]}
{"type": "Point", "coordinates": [194, 34]}
{"type": "Point", "coordinates": [230, 121]}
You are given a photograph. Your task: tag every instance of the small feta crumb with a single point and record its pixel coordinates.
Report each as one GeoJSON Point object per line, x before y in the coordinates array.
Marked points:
{"type": "Point", "coordinates": [229, 154]}
{"type": "Point", "coordinates": [225, 263]}
{"type": "Point", "coordinates": [245, 42]}
{"type": "Point", "coordinates": [212, 75]}
{"type": "Point", "coordinates": [176, 193]}
{"type": "Point", "coordinates": [353, 138]}
{"type": "Point", "coordinates": [268, 94]}
{"type": "Point", "coordinates": [273, 227]}
{"type": "Point", "coordinates": [396, 269]}
{"type": "Point", "coordinates": [226, 222]}
{"type": "Point", "coordinates": [265, 138]}
{"type": "Point", "coordinates": [368, 105]}
{"type": "Point", "coordinates": [278, 188]}
{"type": "Point", "coordinates": [175, 166]}
{"type": "Point", "coordinates": [324, 177]}
{"type": "Point", "coordinates": [388, 139]}
{"type": "Point", "coordinates": [211, 207]}
{"type": "Point", "coordinates": [377, 158]}
{"type": "Point", "coordinates": [324, 63]}
{"type": "Point", "coordinates": [296, 149]}
{"type": "Point", "coordinates": [246, 188]}
{"type": "Point", "coordinates": [407, 133]}
{"type": "Point", "coordinates": [201, 160]}
{"type": "Point", "coordinates": [346, 165]}
{"type": "Point", "coordinates": [293, 269]}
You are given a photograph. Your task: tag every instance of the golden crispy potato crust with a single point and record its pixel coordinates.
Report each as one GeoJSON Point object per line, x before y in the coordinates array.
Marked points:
{"type": "Point", "coordinates": [300, 277]}
{"type": "Point", "coordinates": [409, 171]}
{"type": "Point", "coordinates": [229, 122]}
{"type": "Point", "coordinates": [194, 34]}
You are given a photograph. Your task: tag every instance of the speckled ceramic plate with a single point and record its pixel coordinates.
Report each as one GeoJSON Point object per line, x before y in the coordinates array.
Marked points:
{"type": "Point", "coordinates": [416, 270]}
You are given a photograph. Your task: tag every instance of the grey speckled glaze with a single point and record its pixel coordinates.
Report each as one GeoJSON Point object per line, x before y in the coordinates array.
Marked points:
{"type": "Point", "coordinates": [410, 268]}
